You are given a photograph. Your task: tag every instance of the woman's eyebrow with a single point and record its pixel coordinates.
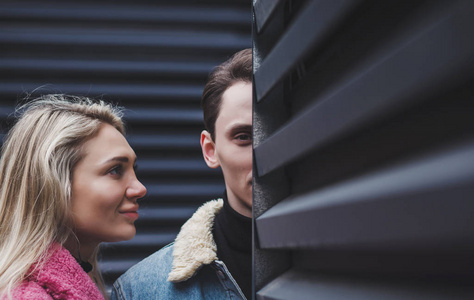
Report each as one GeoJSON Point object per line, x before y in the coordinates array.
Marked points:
{"type": "Point", "coordinates": [123, 159]}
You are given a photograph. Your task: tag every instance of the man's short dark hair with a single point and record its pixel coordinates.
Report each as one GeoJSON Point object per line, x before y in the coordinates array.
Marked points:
{"type": "Point", "coordinates": [237, 68]}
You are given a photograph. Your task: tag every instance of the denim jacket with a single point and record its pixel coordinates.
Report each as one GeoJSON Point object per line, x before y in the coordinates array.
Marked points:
{"type": "Point", "coordinates": [186, 269]}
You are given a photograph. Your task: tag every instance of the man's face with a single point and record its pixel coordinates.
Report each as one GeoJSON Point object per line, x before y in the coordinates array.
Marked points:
{"type": "Point", "coordinates": [232, 148]}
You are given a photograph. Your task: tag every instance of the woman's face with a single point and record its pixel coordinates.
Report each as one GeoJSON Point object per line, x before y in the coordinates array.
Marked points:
{"type": "Point", "coordinates": [105, 189]}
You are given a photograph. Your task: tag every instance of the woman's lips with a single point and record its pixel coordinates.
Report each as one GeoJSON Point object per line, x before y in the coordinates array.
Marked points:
{"type": "Point", "coordinates": [130, 214]}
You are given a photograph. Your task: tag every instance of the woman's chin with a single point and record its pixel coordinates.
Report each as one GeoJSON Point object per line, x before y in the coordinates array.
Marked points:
{"type": "Point", "coordinates": [123, 236]}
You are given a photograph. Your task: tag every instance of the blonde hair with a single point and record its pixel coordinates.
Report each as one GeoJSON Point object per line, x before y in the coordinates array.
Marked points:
{"type": "Point", "coordinates": [36, 165]}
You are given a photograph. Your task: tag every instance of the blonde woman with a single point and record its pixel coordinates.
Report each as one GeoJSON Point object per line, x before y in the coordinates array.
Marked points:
{"type": "Point", "coordinates": [67, 183]}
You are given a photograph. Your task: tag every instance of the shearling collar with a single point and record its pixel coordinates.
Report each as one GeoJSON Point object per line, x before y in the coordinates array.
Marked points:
{"type": "Point", "coordinates": [194, 246]}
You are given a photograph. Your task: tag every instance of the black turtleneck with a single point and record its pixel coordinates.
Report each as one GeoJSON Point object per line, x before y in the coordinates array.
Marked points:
{"type": "Point", "coordinates": [233, 236]}
{"type": "Point", "coordinates": [85, 265]}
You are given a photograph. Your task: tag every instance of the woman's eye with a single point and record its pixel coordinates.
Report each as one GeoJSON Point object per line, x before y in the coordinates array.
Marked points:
{"type": "Point", "coordinates": [117, 170]}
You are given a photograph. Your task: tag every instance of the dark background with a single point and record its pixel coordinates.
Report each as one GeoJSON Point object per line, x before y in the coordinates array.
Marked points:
{"type": "Point", "coordinates": [153, 58]}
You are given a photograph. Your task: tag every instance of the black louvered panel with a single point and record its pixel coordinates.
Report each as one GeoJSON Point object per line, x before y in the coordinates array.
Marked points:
{"type": "Point", "coordinates": [363, 131]}
{"type": "Point", "coordinates": [384, 209]}
{"type": "Point", "coordinates": [263, 10]}
{"type": "Point", "coordinates": [321, 17]}
{"type": "Point", "coordinates": [153, 58]}
{"type": "Point", "coordinates": [401, 79]}
{"type": "Point", "coordinates": [310, 286]}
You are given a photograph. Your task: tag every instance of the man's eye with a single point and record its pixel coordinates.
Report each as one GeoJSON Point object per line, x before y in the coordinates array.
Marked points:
{"type": "Point", "coordinates": [117, 170]}
{"type": "Point", "coordinates": [244, 137]}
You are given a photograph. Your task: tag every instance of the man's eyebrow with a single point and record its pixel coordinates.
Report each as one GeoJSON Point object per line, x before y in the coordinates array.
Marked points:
{"type": "Point", "coordinates": [240, 127]}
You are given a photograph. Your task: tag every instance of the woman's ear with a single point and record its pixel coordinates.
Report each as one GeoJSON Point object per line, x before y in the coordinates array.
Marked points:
{"type": "Point", "coordinates": [209, 150]}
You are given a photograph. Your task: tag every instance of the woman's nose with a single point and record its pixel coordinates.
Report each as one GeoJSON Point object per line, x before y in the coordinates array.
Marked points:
{"type": "Point", "coordinates": [136, 190]}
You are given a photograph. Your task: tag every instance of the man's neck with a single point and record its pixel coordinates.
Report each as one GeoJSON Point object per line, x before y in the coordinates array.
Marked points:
{"type": "Point", "coordinates": [238, 205]}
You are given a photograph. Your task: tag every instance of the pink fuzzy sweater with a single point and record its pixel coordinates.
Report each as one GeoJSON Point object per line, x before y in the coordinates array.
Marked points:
{"type": "Point", "coordinates": [60, 278]}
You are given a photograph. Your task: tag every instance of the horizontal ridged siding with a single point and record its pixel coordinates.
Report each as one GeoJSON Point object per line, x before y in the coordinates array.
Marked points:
{"type": "Point", "coordinates": [153, 58]}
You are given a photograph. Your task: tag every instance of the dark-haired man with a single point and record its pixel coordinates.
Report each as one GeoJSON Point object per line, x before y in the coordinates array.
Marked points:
{"type": "Point", "coordinates": [211, 256]}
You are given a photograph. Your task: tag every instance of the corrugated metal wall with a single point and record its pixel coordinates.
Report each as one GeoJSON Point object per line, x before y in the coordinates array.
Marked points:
{"type": "Point", "coordinates": [364, 149]}
{"type": "Point", "coordinates": [152, 57]}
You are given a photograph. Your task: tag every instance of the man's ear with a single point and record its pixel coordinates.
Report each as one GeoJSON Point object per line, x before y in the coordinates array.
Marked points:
{"type": "Point", "coordinates": [209, 150]}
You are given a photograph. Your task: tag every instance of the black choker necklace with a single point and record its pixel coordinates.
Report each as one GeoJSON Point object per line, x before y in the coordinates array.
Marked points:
{"type": "Point", "coordinates": [85, 265]}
